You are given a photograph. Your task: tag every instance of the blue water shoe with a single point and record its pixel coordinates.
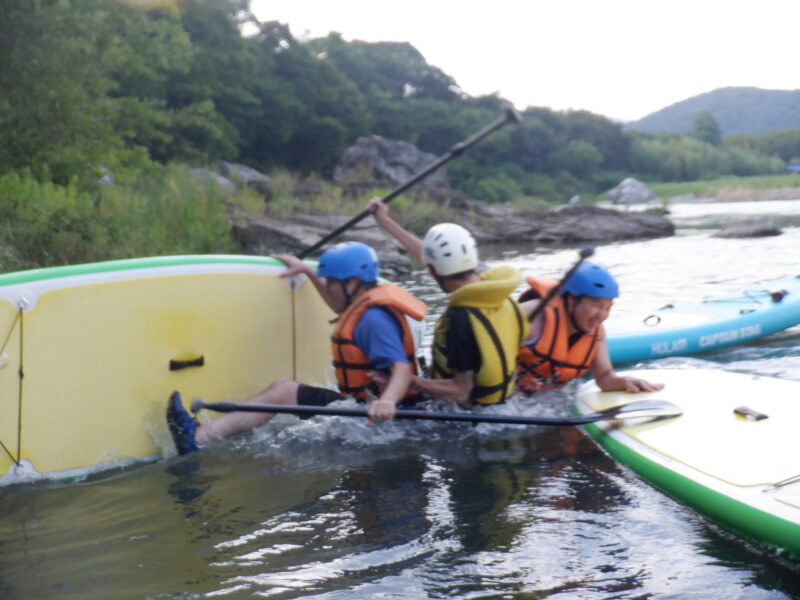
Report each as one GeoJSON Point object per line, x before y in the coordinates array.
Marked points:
{"type": "Point", "coordinates": [181, 425]}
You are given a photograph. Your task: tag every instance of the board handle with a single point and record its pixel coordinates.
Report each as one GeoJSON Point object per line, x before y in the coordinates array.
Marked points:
{"type": "Point", "coordinates": [778, 295]}
{"type": "Point", "coordinates": [750, 414]}
{"type": "Point", "coordinates": [176, 364]}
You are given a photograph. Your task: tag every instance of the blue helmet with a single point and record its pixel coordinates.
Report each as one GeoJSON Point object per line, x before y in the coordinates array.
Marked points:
{"type": "Point", "coordinates": [591, 279]}
{"type": "Point", "coordinates": [349, 259]}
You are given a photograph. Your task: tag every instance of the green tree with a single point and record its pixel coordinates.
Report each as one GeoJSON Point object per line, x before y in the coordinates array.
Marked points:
{"type": "Point", "coordinates": [533, 141]}
{"type": "Point", "coordinates": [315, 96]}
{"type": "Point", "coordinates": [54, 120]}
{"type": "Point", "coordinates": [79, 81]}
{"type": "Point", "coordinates": [577, 157]}
{"type": "Point", "coordinates": [212, 101]}
{"type": "Point", "coordinates": [785, 144]}
{"type": "Point", "coordinates": [604, 135]}
{"type": "Point", "coordinates": [705, 128]}
{"type": "Point", "coordinates": [396, 68]}
{"type": "Point", "coordinates": [316, 145]}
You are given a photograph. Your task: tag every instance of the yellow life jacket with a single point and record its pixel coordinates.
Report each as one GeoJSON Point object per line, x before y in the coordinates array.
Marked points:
{"type": "Point", "coordinates": [349, 360]}
{"type": "Point", "coordinates": [550, 361]}
{"type": "Point", "coordinates": [499, 326]}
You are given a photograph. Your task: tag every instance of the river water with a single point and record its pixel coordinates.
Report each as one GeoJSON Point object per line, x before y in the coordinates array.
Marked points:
{"type": "Point", "coordinates": [332, 509]}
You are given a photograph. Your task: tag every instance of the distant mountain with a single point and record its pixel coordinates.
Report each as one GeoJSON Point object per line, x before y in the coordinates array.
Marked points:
{"type": "Point", "coordinates": [747, 110]}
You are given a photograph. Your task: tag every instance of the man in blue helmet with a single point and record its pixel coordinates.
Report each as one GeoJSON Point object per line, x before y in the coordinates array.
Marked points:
{"type": "Point", "coordinates": [372, 335]}
{"type": "Point", "coordinates": [567, 338]}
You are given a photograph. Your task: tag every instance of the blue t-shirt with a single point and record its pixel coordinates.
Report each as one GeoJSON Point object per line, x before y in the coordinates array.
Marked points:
{"type": "Point", "coordinates": [379, 336]}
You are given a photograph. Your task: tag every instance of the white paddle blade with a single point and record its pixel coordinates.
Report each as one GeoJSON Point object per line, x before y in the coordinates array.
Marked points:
{"type": "Point", "coordinates": [646, 409]}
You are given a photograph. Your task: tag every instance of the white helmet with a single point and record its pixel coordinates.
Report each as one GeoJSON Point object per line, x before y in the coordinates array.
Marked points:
{"type": "Point", "coordinates": [449, 249]}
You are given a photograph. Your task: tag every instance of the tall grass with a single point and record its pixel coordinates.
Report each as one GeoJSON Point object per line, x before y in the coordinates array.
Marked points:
{"type": "Point", "coordinates": [417, 211]}
{"type": "Point", "coordinates": [711, 187]}
{"type": "Point", "coordinates": [163, 210]}
{"type": "Point", "coordinates": [44, 224]}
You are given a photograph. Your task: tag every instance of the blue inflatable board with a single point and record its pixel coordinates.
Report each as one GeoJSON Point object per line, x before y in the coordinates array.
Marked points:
{"type": "Point", "coordinates": [712, 323]}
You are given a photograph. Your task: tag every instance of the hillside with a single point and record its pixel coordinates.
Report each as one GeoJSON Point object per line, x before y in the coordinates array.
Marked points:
{"type": "Point", "coordinates": [747, 110]}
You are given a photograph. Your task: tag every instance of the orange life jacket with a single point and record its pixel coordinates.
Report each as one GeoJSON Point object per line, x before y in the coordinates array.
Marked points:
{"type": "Point", "coordinates": [349, 360]}
{"type": "Point", "coordinates": [550, 361]}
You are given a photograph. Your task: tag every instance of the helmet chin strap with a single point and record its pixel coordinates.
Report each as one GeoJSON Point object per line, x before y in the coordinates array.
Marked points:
{"type": "Point", "coordinates": [440, 281]}
{"type": "Point", "coordinates": [348, 296]}
{"type": "Point", "coordinates": [571, 314]}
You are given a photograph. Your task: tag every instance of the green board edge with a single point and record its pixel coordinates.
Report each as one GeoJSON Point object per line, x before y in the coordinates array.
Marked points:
{"type": "Point", "coordinates": [133, 263]}
{"type": "Point", "coordinates": [777, 535]}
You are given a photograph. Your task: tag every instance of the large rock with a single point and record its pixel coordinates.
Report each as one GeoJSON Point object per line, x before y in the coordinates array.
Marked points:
{"type": "Point", "coordinates": [268, 236]}
{"type": "Point", "coordinates": [376, 161]}
{"type": "Point", "coordinates": [490, 223]}
{"type": "Point", "coordinates": [631, 191]}
{"type": "Point", "coordinates": [749, 228]}
{"type": "Point", "coordinates": [581, 224]}
{"type": "Point", "coordinates": [246, 176]}
{"type": "Point", "coordinates": [206, 176]}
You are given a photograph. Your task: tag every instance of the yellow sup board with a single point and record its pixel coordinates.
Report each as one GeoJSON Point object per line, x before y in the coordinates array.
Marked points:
{"type": "Point", "coordinates": [733, 455]}
{"type": "Point", "coordinates": [89, 354]}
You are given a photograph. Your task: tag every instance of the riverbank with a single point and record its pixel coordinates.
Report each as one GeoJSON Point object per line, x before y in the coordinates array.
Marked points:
{"type": "Point", "coordinates": [296, 226]}
{"type": "Point", "coordinates": [489, 223]}
{"type": "Point", "coordinates": [731, 189]}
{"type": "Point", "coordinates": [745, 194]}
{"type": "Point", "coordinates": [178, 210]}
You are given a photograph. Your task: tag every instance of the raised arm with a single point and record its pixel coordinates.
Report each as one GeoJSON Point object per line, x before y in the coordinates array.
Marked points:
{"type": "Point", "coordinates": [408, 240]}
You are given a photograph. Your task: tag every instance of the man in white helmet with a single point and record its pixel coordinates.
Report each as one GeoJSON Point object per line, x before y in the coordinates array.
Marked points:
{"type": "Point", "coordinates": [477, 338]}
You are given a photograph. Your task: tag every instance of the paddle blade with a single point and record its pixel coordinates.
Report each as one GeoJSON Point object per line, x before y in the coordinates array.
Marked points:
{"type": "Point", "coordinates": [644, 409]}
{"type": "Point", "coordinates": [513, 115]}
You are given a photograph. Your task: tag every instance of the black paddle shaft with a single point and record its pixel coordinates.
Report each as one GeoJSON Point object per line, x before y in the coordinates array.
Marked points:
{"type": "Point", "coordinates": [511, 116]}
{"type": "Point", "coordinates": [643, 409]}
{"type": "Point", "coordinates": [584, 254]}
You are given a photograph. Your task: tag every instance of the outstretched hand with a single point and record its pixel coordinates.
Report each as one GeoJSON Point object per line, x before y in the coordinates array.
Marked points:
{"type": "Point", "coordinates": [294, 265]}
{"type": "Point", "coordinates": [634, 385]}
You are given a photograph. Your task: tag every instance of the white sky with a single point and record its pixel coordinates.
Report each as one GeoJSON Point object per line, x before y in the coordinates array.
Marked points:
{"type": "Point", "coordinates": [620, 58]}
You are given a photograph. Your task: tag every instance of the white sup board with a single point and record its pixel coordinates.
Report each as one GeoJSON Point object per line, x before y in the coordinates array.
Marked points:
{"type": "Point", "coordinates": [91, 353]}
{"type": "Point", "coordinates": [733, 455]}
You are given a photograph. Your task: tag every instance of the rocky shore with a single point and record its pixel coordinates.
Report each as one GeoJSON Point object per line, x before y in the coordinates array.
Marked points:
{"type": "Point", "coordinates": [374, 162]}
{"type": "Point", "coordinates": [565, 226]}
